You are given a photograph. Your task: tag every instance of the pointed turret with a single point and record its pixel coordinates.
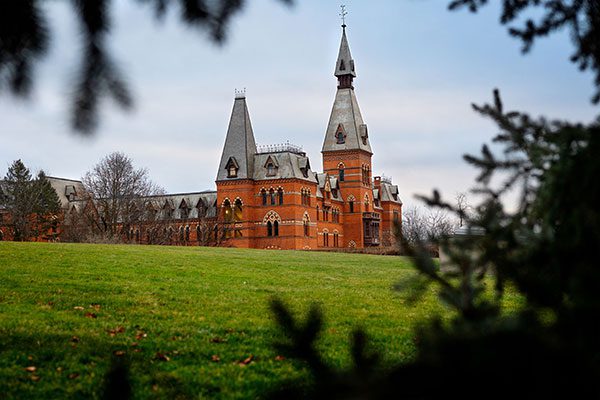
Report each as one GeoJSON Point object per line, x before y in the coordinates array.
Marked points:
{"type": "Point", "coordinates": [237, 159]}
{"type": "Point", "coordinates": [346, 129]}
{"type": "Point", "coordinates": [344, 67]}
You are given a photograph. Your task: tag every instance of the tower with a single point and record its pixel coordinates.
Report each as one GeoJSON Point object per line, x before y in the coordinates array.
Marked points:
{"type": "Point", "coordinates": [347, 154]}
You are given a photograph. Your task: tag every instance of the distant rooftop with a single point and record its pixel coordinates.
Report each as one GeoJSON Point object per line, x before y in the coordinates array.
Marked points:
{"type": "Point", "coordinates": [280, 148]}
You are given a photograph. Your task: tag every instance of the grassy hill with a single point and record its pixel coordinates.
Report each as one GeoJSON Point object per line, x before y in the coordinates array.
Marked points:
{"type": "Point", "coordinates": [184, 317]}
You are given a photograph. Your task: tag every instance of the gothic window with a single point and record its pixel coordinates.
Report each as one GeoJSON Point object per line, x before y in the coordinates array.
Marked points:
{"type": "Point", "coordinates": [341, 173]}
{"type": "Point", "coordinates": [275, 228]}
{"type": "Point", "coordinates": [187, 233]}
{"type": "Point", "coordinates": [181, 233]}
{"type": "Point", "coordinates": [396, 216]}
{"type": "Point", "coordinates": [272, 196]}
{"type": "Point", "coordinates": [227, 211]}
{"type": "Point", "coordinates": [308, 197]}
{"type": "Point", "coordinates": [342, 65]}
{"type": "Point", "coordinates": [263, 194]}
{"type": "Point", "coordinates": [305, 224]}
{"type": "Point", "coordinates": [280, 195]}
{"type": "Point", "coordinates": [351, 206]}
{"type": "Point", "coordinates": [269, 229]}
{"type": "Point", "coordinates": [317, 213]}
{"type": "Point", "coordinates": [237, 210]}
{"type": "Point", "coordinates": [336, 241]}
{"type": "Point", "coordinates": [326, 238]}
{"type": "Point", "coordinates": [364, 133]}
{"type": "Point", "coordinates": [198, 233]}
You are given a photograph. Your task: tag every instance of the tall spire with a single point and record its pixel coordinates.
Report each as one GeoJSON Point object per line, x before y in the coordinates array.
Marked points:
{"type": "Point", "coordinates": [346, 129]}
{"type": "Point", "coordinates": [237, 159]}
{"type": "Point", "coordinates": [344, 67]}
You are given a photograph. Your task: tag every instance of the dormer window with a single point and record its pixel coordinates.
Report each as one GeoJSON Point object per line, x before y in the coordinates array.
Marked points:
{"type": "Point", "coordinates": [232, 168]}
{"type": "Point", "coordinates": [270, 169]}
{"type": "Point", "coordinates": [364, 134]}
{"type": "Point", "coordinates": [342, 65]}
{"type": "Point", "coordinates": [340, 135]}
{"type": "Point", "coordinates": [271, 166]}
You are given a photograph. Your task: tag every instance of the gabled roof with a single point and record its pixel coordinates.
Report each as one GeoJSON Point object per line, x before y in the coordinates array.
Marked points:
{"type": "Point", "coordinates": [239, 142]}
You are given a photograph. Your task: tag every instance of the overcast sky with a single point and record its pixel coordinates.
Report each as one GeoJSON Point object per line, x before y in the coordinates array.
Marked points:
{"type": "Point", "coordinates": [419, 68]}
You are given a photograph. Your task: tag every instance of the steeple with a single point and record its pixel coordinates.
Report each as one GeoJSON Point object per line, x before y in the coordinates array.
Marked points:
{"type": "Point", "coordinates": [346, 129]}
{"type": "Point", "coordinates": [344, 67]}
{"type": "Point", "coordinates": [237, 159]}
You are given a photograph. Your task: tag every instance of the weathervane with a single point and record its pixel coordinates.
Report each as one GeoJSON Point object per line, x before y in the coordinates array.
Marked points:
{"type": "Point", "coordinates": [343, 14]}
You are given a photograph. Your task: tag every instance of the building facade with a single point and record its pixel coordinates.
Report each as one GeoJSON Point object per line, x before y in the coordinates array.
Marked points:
{"type": "Point", "coordinates": [269, 197]}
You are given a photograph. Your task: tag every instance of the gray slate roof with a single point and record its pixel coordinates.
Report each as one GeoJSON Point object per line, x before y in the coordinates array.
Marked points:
{"type": "Point", "coordinates": [239, 142]}
{"type": "Point", "coordinates": [346, 112]}
{"type": "Point", "coordinates": [390, 192]}
{"type": "Point", "coordinates": [177, 202]}
{"type": "Point", "coordinates": [288, 165]}
{"type": "Point", "coordinates": [66, 189]}
{"type": "Point", "coordinates": [345, 63]}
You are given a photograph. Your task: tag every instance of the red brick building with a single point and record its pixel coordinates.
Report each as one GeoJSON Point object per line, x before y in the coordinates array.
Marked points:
{"type": "Point", "coordinates": [269, 197]}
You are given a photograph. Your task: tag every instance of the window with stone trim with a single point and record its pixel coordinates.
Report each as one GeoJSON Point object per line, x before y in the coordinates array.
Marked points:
{"type": "Point", "coordinates": [272, 196]}
{"type": "Point", "coordinates": [280, 195]}
{"type": "Point", "coordinates": [263, 194]}
{"type": "Point", "coordinates": [276, 228]}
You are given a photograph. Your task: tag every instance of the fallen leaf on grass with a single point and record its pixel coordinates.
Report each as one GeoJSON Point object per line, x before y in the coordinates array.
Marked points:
{"type": "Point", "coordinates": [95, 306]}
{"type": "Point", "coordinates": [155, 388]}
{"type": "Point", "coordinates": [246, 361]}
{"type": "Point", "coordinates": [31, 369]}
{"type": "Point", "coordinates": [35, 378]}
{"type": "Point", "coordinates": [59, 370]}
{"type": "Point", "coordinates": [162, 357]}
{"type": "Point", "coordinates": [217, 340]}
{"type": "Point", "coordinates": [114, 332]}
{"type": "Point", "coordinates": [279, 358]}
{"type": "Point", "coordinates": [73, 375]}
{"type": "Point", "coordinates": [119, 353]}
{"type": "Point", "coordinates": [90, 315]}
{"type": "Point", "coordinates": [140, 335]}
{"type": "Point", "coordinates": [134, 344]}
{"type": "Point", "coordinates": [78, 308]}
{"type": "Point", "coordinates": [215, 358]}
{"type": "Point", "coordinates": [75, 339]}
{"type": "Point", "coordinates": [30, 358]}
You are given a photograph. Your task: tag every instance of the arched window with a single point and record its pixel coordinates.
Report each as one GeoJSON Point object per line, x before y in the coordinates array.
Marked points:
{"type": "Point", "coordinates": [336, 239]}
{"type": "Point", "coordinates": [263, 193]}
{"type": "Point", "coordinates": [187, 233]}
{"type": "Point", "coordinates": [317, 213]}
{"type": "Point", "coordinates": [326, 238]}
{"type": "Point", "coordinates": [306, 224]}
{"type": "Point", "coordinates": [237, 210]}
{"type": "Point", "coordinates": [272, 195]}
{"type": "Point", "coordinates": [227, 211]}
{"type": "Point", "coordinates": [275, 228]}
{"type": "Point", "coordinates": [341, 172]}
{"type": "Point", "coordinates": [308, 197]}
{"type": "Point", "coordinates": [280, 195]}
{"type": "Point", "coordinates": [198, 233]}
{"type": "Point", "coordinates": [269, 229]}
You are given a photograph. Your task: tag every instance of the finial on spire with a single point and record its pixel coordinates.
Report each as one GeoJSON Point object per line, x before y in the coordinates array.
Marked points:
{"type": "Point", "coordinates": [343, 14]}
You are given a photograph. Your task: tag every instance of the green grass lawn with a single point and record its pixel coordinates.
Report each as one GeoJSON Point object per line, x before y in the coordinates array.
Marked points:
{"type": "Point", "coordinates": [66, 309]}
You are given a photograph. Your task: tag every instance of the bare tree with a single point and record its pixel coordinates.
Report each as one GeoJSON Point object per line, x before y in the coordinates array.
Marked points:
{"type": "Point", "coordinates": [118, 190]}
{"type": "Point", "coordinates": [462, 207]}
{"type": "Point", "coordinates": [425, 225]}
